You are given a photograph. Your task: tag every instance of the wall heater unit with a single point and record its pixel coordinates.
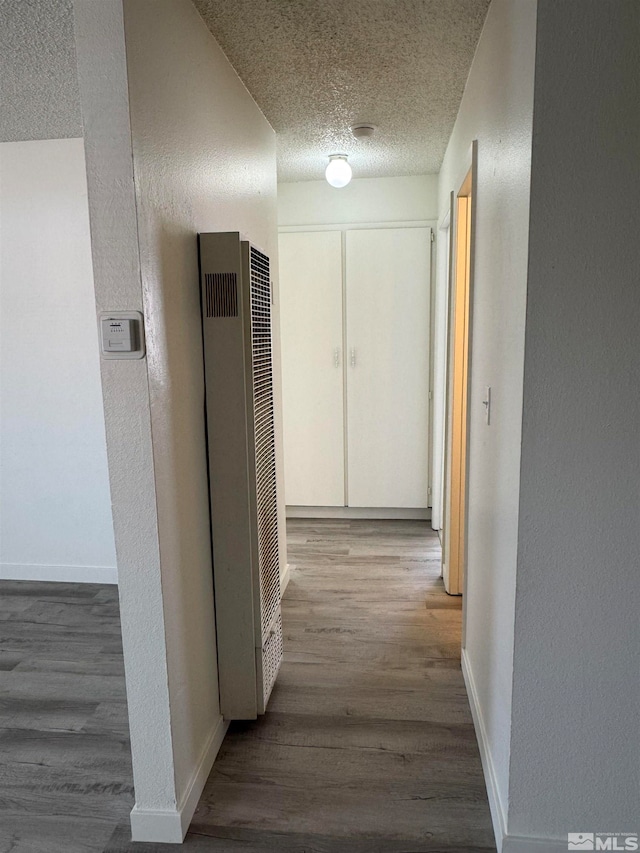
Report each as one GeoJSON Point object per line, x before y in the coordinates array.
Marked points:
{"type": "Point", "coordinates": [236, 322]}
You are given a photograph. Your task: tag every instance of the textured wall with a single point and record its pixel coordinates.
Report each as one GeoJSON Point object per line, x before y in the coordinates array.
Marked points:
{"type": "Point", "coordinates": [204, 159]}
{"type": "Point", "coordinates": [39, 96]}
{"type": "Point", "coordinates": [54, 491]}
{"type": "Point", "coordinates": [363, 200]}
{"type": "Point", "coordinates": [575, 755]}
{"type": "Point", "coordinates": [497, 111]}
{"type": "Point", "coordinates": [171, 109]}
{"type": "Point", "coordinates": [125, 389]}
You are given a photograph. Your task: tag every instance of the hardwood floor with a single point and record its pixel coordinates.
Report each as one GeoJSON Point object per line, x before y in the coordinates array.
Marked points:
{"type": "Point", "coordinates": [65, 764]}
{"type": "Point", "coordinates": [368, 744]}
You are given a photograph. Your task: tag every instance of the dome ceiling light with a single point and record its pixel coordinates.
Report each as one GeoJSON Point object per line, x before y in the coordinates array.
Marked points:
{"type": "Point", "coordinates": [338, 172]}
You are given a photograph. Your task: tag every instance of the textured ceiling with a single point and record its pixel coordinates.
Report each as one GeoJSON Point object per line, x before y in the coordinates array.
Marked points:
{"type": "Point", "coordinates": [316, 67]}
{"type": "Point", "coordinates": [39, 96]}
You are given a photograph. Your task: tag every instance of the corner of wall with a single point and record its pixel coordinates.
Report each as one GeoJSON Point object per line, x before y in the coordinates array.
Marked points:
{"type": "Point", "coordinates": [103, 86]}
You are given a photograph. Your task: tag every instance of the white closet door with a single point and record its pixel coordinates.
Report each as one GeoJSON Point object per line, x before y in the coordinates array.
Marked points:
{"type": "Point", "coordinates": [388, 303]}
{"type": "Point", "coordinates": [312, 367]}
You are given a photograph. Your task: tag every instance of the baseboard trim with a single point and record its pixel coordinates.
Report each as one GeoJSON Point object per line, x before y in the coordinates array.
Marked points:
{"type": "Point", "coordinates": [524, 844]}
{"type": "Point", "coordinates": [284, 580]}
{"type": "Point", "coordinates": [163, 827]}
{"type": "Point", "coordinates": [190, 798]}
{"type": "Point", "coordinates": [504, 843]}
{"type": "Point", "coordinates": [498, 816]}
{"type": "Point", "coordinates": [171, 826]}
{"type": "Point", "coordinates": [358, 512]}
{"type": "Point", "coordinates": [58, 574]}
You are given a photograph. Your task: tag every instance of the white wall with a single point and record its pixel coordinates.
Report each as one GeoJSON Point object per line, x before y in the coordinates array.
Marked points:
{"type": "Point", "coordinates": [39, 81]}
{"type": "Point", "coordinates": [203, 159]}
{"type": "Point", "coordinates": [55, 522]}
{"type": "Point", "coordinates": [125, 388]}
{"type": "Point", "coordinates": [55, 513]}
{"type": "Point", "coordinates": [363, 200]}
{"type": "Point", "coordinates": [575, 761]}
{"type": "Point", "coordinates": [496, 110]}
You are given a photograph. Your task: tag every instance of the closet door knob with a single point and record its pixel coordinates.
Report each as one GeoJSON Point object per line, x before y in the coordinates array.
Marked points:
{"type": "Point", "coordinates": [336, 357]}
{"type": "Point", "coordinates": [353, 357]}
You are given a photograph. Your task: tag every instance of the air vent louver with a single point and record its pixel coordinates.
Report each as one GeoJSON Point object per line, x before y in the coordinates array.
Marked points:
{"type": "Point", "coordinates": [264, 434]}
{"type": "Point", "coordinates": [221, 294]}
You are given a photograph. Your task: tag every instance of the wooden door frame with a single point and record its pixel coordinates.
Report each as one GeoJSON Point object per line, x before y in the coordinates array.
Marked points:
{"type": "Point", "coordinates": [465, 186]}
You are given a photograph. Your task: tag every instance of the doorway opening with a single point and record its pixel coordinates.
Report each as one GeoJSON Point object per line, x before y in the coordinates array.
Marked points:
{"type": "Point", "coordinates": [455, 513]}
{"type": "Point", "coordinates": [440, 367]}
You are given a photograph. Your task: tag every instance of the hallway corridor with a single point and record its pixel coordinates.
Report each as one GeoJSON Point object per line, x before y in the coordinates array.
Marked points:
{"type": "Point", "coordinates": [368, 744]}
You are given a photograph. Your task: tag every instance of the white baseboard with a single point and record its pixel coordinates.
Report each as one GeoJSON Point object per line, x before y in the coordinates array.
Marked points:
{"type": "Point", "coordinates": [59, 574]}
{"type": "Point", "coordinates": [284, 580]}
{"type": "Point", "coordinates": [189, 800]}
{"type": "Point", "coordinates": [163, 827]}
{"type": "Point", "coordinates": [170, 826]}
{"type": "Point", "coordinates": [498, 815]}
{"type": "Point", "coordinates": [358, 512]}
{"type": "Point", "coordinates": [505, 843]}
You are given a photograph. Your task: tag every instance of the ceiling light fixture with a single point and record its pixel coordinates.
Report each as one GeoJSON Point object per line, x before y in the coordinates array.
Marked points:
{"type": "Point", "coordinates": [338, 172]}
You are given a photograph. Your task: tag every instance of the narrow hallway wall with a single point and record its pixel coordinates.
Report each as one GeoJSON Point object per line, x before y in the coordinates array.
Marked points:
{"type": "Point", "coordinates": [175, 145]}
{"type": "Point", "coordinates": [204, 160]}
{"type": "Point", "coordinates": [575, 762]}
{"type": "Point", "coordinates": [496, 109]}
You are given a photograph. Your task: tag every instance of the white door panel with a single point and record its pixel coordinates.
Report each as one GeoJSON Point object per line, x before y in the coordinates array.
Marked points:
{"type": "Point", "coordinates": [388, 301]}
{"type": "Point", "coordinates": [312, 367]}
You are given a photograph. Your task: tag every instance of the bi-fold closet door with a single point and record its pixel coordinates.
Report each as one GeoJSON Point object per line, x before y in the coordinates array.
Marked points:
{"type": "Point", "coordinates": [387, 321]}
{"type": "Point", "coordinates": [355, 353]}
{"type": "Point", "coordinates": [312, 368]}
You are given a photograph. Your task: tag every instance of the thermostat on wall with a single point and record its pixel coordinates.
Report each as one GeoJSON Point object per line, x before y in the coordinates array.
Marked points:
{"type": "Point", "coordinates": [121, 334]}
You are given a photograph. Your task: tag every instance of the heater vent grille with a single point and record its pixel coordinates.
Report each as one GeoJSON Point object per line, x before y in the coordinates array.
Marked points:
{"type": "Point", "coordinates": [271, 658]}
{"type": "Point", "coordinates": [239, 401]}
{"type": "Point", "coordinates": [221, 294]}
{"type": "Point", "coordinates": [269, 557]}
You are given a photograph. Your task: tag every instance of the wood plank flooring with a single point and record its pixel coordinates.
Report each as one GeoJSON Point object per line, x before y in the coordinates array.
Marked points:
{"type": "Point", "coordinates": [368, 744]}
{"type": "Point", "coordinates": [367, 747]}
{"type": "Point", "coordinates": [65, 764]}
